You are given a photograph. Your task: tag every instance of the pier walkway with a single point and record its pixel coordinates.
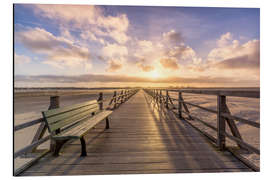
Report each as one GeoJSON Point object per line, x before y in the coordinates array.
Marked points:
{"type": "Point", "coordinates": [143, 138]}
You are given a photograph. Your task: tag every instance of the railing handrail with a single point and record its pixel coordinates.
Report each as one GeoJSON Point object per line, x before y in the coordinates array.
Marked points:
{"type": "Point", "coordinates": [63, 92]}
{"type": "Point", "coordinates": [248, 93]}
{"type": "Point", "coordinates": [225, 115]}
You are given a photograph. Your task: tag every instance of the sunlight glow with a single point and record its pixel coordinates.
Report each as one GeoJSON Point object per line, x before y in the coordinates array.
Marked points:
{"type": "Point", "coordinates": [155, 74]}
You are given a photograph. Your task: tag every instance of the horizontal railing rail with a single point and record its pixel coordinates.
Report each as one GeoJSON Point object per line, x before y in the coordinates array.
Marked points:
{"type": "Point", "coordinates": [223, 114]}
{"type": "Point", "coordinates": [248, 93]}
{"type": "Point", "coordinates": [38, 139]}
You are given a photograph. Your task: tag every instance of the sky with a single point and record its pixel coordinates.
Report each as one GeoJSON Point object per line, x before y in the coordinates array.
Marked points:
{"type": "Point", "coordinates": [119, 46]}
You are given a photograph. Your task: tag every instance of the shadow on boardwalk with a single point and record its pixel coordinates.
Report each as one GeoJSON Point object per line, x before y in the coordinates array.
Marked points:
{"type": "Point", "coordinates": [170, 126]}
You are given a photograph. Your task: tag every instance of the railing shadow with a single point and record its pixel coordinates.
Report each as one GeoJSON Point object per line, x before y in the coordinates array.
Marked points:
{"type": "Point", "coordinates": [182, 136]}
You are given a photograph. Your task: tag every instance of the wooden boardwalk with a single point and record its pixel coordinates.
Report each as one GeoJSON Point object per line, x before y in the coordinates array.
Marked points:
{"type": "Point", "coordinates": [143, 138]}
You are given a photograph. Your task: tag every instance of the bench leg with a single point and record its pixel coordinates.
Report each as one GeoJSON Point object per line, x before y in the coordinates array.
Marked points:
{"type": "Point", "coordinates": [83, 151]}
{"type": "Point", "coordinates": [107, 123]}
{"type": "Point", "coordinates": [58, 147]}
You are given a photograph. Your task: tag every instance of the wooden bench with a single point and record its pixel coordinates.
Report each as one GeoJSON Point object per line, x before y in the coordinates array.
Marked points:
{"type": "Point", "coordinates": [73, 122]}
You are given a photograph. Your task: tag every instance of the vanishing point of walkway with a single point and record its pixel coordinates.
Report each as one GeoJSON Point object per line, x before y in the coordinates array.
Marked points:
{"type": "Point", "coordinates": [142, 138]}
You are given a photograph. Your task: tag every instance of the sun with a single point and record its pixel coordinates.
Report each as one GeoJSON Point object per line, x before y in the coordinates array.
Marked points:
{"type": "Point", "coordinates": [155, 74]}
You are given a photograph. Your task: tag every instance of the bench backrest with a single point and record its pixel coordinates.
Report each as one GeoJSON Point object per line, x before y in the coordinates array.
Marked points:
{"type": "Point", "coordinates": [65, 116]}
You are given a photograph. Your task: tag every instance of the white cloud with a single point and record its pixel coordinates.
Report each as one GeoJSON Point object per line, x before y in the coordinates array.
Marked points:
{"type": "Point", "coordinates": [229, 48]}
{"type": "Point", "coordinates": [185, 54]}
{"type": "Point", "coordinates": [21, 59]}
{"type": "Point", "coordinates": [146, 46]}
{"type": "Point", "coordinates": [87, 35]}
{"type": "Point", "coordinates": [114, 51]}
{"type": "Point", "coordinates": [232, 59]}
{"type": "Point", "coordinates": [114, 65]}
{"type": "Point", "coordinates": [144, 67]}
{"type": "Point", "coordinates": [59, 51]}
{"type": "Point", "coordinates": [169, 63]}
{"type": "Point", "coordinates": [87, 17]}
{"type": "Point", "coordinates": [225, 39]}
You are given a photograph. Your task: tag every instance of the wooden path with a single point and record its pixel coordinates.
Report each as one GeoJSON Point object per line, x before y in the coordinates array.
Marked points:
{"type": "Point", "coordinates": [143, 138]}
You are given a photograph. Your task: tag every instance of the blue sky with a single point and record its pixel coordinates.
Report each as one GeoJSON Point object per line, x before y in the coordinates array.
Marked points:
{"type": "Point", "coordinates": [143, 45]}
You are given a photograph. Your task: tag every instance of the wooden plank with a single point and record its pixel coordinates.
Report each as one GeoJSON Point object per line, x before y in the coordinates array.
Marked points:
{"type": "Point", "coordinates": [28, 124]}
{"type": "Point", "coordinates": [221, 101]}
{"type": "Point", "coordinates": [39, 134]}
{"type": "Point", "coordinates": [145, 171]}
{"type": "Point", "coordinates": [244, 160]}
{"type": "Point", "coordinates": [184, 105]}
{"type": "Point", "coordinates": [251, 123]}
{"type": "Point", "coordinates": [203, 108]}
{"type": "Point", "coordinates": [207, 135]}
{"type": "Point", "coordinates": [192, 164]}
{"type": "Point", "coordinates": [82, 128]}
{"type": "Point", "coordinates": [180, 105]}
{"type": "Point", "coordinates": [31, 146]}
{"type": "Point", "coordinates": [233, 127]}
{"type": "Point", "coordinates": [30, 163]}
{"type": "Point", "coordinates": [53, 112]}
{"type": "Point", "coordinates": [72, 119]}
{"type": "Point", "coordinates": [65, 115]}
{"type": "Point", "coordinates": [237, 93]}
{"type": "Point", "coordinates": [244, 144]}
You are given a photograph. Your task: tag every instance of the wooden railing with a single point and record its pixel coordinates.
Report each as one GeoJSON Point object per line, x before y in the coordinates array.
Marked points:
{"type": "Point", "coordinates": [223, 115]}
{"type": "Point", "coordinates": [119, 97]}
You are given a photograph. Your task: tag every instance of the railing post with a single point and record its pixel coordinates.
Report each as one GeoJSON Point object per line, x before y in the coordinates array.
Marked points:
{"type": "Point", "coordinates": [160, 96]}
{"type": "Point", "coordinates": [179, 105]}
{"type": "Point", "coordinates": [221, 125]}
{"type": "Point", "coordinates": [54, 103]}
{"type": "Point", "coordinates": [114, 100]}
{"type": "Point", "coordinates": [156, 92]}
{"type": "Point", "coordinates": [167, 99]}
{"type": "Point", "coordinates": [100, 98]}
{"type": "Point", "coordinates": [121, 97]}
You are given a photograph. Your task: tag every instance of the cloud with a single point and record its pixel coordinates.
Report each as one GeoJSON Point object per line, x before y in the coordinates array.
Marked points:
{"type": "Point", "coordinates": [144, 67]}
{"type": "Point", "coordinates": [184, 54]}
{"type": "Point", "coordinates": [225, 39]}
{"type": "Point", "coordinates": [242, 62]}
{"type": "Point", "coordinates": [177, 49]}
{"type": "Point", "coordinates": [87, 17]}
{"type": "Point", "coordinates": [145, 46]}
{"type": "Point", "coordinates": [88, 35]}
{"type": "Point", "coordinates": [146, 50]}
{"type": "Point", "coordinates": [21, 59]}
{"type": "Point", "coordinates": [169, 63]}
{"type": "Point", "coordinates": [114, 66]}
{"type": "Point", "coordinates": [231, 58]}
{"type": "Point", "coordinates": [114, 51]}
{"type": "Point", "coordinates": [58, 50]}
{"type": "Point", "coordinates": [230, 54]}
{"type": "Point", "coordinates": [173, 37]}
{"type": "Point", "coordinates": [232, 49]}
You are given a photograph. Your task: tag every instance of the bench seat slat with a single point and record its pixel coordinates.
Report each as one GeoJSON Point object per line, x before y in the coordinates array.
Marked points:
{"type": "Point", "coordinates": [57, 111]}
{"type": "Point", "coordinates": [72, 119]}
{"type": "Point", "coordinates": [82, 128]}
{"type": "Point", "coordinates": [65, 115]}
